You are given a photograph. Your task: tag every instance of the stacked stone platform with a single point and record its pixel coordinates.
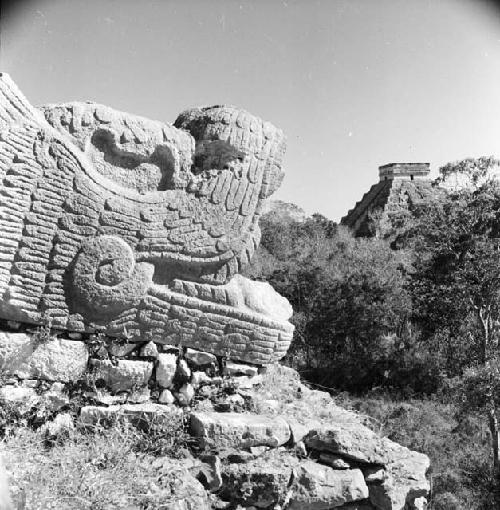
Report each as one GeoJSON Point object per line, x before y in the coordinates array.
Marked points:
{"type": "Point", "coordinates": [299, 452]}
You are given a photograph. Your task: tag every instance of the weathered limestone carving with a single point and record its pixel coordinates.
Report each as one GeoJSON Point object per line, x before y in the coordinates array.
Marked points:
{"type": "Point", "coordinates": [137, 228]}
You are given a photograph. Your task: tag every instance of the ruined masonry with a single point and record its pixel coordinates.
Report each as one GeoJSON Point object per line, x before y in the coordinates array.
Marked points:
{"type": "Point", "coordinates": [137, 229]}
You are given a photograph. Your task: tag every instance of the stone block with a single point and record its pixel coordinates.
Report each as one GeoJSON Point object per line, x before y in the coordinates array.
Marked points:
{"type": "Point", "coordinates": [120, 349]}
{"type": "Point", "coordinates": [18, 395]}
{"type": "Point", "coordinates": [53, 360]}
{"type": "Point", "coordinates": [233, 368]}
{"type": "Point", "coordinates": [239, 430]}
{"type": "Point", "coordinates": [198, 378]}
{"type": "Point", "coordinates": [166, 397]}
{"type": "Point", "coordinates": [353, 441]}
{"type": "Point", "coordinates": [299, 430]}
{"type": "Point", "coordinates": [183, 370]}
{"type": "Point", "coordinates": [262, 482]}
{"type": "Point", "coordinates": [186, 394]}
{"type": "Point", "coordinates": [318, 487]}
{"type": "Point", "coordinates": [124, 375]}
{"type": "Point", "coordinates": [149, 350]}
{"type": "Point", "coordinates": [134, 413]}
{"type": "Point", "coordinates": [200, 358]}
{"type": "Point", "coordinates": [405, 471]}
{"type": "Point", "coordinates": [404, 484]}
{"type": "Point", "coordinates": [166, 366]}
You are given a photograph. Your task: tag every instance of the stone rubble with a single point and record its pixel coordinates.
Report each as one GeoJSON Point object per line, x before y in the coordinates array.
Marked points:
{"type": "Point", "coordinates": [186, 394]}
{"type": "Point", "coordinates": [283, 458]}
{"type": "Point", "coordinates": [166, 397]}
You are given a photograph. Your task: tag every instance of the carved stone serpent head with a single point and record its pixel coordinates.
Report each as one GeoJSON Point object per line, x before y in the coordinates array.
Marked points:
{"type": "Point", "coordinates": [138, 228]}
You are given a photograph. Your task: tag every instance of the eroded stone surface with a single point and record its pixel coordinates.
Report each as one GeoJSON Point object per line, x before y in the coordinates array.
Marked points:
{"type": "Point", "coordinates": [18, 395]}
{"type": "Point", "coordinates": [355, 442]}
{"type": "Point", "coordinates": [232, 368]}
{"type": "Point", "coordinates": [200, 358]}
{"type": "Point", "coordinates": [91, 415]}
{"type": "Point", "coordinates": [177, 488]}
{"type": "Point", "coordinates": [261, 482]}
{"type": "Point", "coordinates": [137, 227]}
{"type": "Point", "coordinates": [405, 485]}
{"type": "Point", "coordinates": [166, 367]}
{"type": "Point", "coordinates": [239, 430]}
{"type": "Point", "coordinates": [53, 360]}
{"type": "Point", "coordinates": [404, 480]}
{"type": "Point", "coordinates": [318, 487]}
{"type": "Point", "coordinates": [122, 375]}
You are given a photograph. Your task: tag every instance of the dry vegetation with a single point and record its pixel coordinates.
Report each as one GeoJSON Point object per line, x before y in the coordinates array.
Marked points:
{"type": "Point", "coordinates": [117, 467]}
{"type": "Point", "coordinates": [458, 446]}
{"type": "Point", "coordinates": [99, 468]}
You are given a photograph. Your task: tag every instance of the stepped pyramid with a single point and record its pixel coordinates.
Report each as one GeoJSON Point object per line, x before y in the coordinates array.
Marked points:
{"type": "Point", "coordinates": [402, 186]}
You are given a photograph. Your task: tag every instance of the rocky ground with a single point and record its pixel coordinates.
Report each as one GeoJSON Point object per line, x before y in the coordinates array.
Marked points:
{"type": "Point", "coordinates": [192, 433]}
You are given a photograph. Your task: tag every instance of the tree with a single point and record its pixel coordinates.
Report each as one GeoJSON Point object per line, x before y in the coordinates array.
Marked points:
{"type": "Point", "coordinates": [347, 294]}
{"type": "Point", "coordinates": [457, 268]}
{"type": "Point", "coordinates": [359, 309]}
{"type": "Point", "coordinates": [479, 390]}
{"type": "Point", "coordinates": [455, 285]}
{"type": "Point", "coordinates": [469, 173]}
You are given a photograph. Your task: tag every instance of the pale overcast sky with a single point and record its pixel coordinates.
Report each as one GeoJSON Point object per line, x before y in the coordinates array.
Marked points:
{"type": "Point", "coordinates": [353, 83]}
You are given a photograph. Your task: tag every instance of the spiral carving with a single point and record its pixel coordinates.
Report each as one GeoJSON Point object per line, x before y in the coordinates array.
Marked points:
{"type": "Point", "coordinates": [106, 280]}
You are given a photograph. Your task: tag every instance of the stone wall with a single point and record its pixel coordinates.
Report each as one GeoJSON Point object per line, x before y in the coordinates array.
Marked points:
{"type": "Point", "coordinates": [262, 439]}
{"type": "Point", "coordinates": [112, 372]}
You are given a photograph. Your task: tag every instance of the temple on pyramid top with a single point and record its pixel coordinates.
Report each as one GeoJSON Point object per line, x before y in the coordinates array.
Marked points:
{"type": "Point", "coordinates": [389, 203]}
{"type": "Point", "coordinates": [405, 171]}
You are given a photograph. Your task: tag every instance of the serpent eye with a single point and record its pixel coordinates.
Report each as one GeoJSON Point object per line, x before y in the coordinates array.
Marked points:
{"type": "Point", "coordinates": [217, 154]}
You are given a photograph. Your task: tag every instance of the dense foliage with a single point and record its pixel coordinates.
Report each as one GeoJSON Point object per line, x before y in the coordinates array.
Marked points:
{"type": "Point", "coordinates": [418, 317]}
{"type": "Point", "coordinates": [412, 317]}
{"type": "Point", "coordinates": [351, 307]}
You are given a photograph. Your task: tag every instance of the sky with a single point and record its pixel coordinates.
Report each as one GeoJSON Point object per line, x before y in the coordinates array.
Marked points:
{"type": "Point", "coordinates": [354, 84]}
